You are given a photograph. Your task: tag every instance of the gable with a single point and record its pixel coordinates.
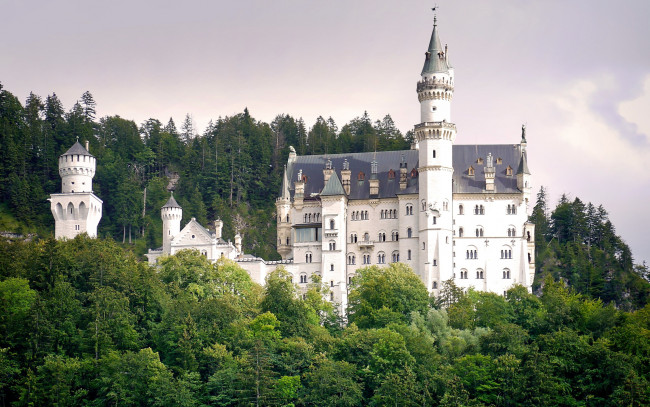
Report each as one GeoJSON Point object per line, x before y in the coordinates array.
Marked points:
{"type": "Point", "coordinates": [193, 234]}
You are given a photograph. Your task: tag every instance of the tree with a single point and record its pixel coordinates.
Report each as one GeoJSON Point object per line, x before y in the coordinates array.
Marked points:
{"type": "Point", "coordinates": [331, 383]}
{"type": "Point", "coordinates": [379, 296]}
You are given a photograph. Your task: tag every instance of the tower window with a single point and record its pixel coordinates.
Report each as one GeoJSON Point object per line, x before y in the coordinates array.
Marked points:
{"type": "Point", "coordinates": [433, 108]}
{"type": "Point", "coordinates": [434, 153]}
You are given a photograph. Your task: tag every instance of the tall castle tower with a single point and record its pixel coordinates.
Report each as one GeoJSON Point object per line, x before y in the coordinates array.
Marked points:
{"type": "Point", "coordinates": [171, 214]}
{"type": "Point", "coordinates": [76, 209]}
{"type": "Point", "coordinates": [435, 135]}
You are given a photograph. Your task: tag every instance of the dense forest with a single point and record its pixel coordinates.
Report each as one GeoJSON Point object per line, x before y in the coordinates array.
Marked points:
{"type": "Point", "coordinates": [84, 322]}
{"type": "Point", "coordinates": [87, 322]}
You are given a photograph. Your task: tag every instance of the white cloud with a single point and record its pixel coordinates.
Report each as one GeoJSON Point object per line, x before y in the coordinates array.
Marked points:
{"type": "Point", "coordinates": [637, 111]}
{"type": "Point", "coordinates": [592, 139]}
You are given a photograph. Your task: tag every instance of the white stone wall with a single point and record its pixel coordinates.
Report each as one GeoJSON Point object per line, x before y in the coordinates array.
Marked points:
{"type": "Point", "coordinates": [75, 213]}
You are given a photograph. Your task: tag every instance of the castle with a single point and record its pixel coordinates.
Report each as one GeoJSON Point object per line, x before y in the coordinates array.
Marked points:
{"type": "Point", "coordinates": [447, 210]}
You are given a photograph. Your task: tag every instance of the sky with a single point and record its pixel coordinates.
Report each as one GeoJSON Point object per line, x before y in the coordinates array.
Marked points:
{"type": "Point", "coordinates": [577, 73]}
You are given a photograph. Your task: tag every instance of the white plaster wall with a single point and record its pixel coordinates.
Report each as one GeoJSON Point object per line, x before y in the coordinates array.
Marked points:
{"type": "Point", "coordinates": [68, 225]}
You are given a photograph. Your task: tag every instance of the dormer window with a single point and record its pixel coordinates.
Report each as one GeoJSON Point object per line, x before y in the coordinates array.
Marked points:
{"type": "Point", "coordinates": [479, 160]}
{"type": "Point", "coordinates": [414, 173]}
{"type": "Point", "coordinates": [499, 161]}
{"type": "Point", "coordinates": [361, 176]}
{"type": "Point", "coordinates": [470, 171]}
{"type": "Point", "coordinates": [509, 171]}
{"type": "Point", "coordinates": [391, 174]}
{"type": "Point", "coordinates": [304, 179]}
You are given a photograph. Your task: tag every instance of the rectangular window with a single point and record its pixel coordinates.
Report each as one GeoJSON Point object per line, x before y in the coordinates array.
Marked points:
{"type": "Point", "coordinates": [308, 235]}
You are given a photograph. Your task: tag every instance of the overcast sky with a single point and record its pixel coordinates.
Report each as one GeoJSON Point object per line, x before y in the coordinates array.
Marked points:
{"type": "Point", "coordinates": [576, 72]}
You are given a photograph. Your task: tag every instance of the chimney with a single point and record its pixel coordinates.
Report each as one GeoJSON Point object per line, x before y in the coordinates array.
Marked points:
{"type": "Point", "coordinates": [218, 226]}
{"type": "Point", "coordinates": [345, 176]}
{"type": "Point", "coordinates": [299, 195]}
{"type": "Point", "coordinates": [87, 145]}
{"type": "Point", "coordinates": [489, 174]}
{"type": "Point", "coordinates": [402, 174]}
{"type": "Point", "coordinates": [327, 171]}
{"type": "Point", "coordinates": [374, 181]}
{"type": "Point", "coordinates": [238, 244]}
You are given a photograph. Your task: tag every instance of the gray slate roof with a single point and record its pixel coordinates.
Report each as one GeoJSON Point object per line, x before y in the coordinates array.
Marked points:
{"type": "Point", "coordinates": [464, 156]}
{"type": "Point", "coordinates": [171, 203]}
{"type": "Point", "coordinates": [77, 149]}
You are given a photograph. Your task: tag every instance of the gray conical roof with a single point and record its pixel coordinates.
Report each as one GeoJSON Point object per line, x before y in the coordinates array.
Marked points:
{"type": "Point", "coordinates": [523, 164]}
{"type": "Point", "coordinates": [77, 149]}
{"type": "Point", "coordinates": [435, 60]}
{"type": "Point", "coordinates": [171, 203]}
{"type": "Point", "coordinates": [333, 186]}
{"type": "Point", "coordinates": [285, 185]}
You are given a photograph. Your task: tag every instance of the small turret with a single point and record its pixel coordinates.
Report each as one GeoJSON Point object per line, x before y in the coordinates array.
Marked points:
{"type": "Point", "coordinates": [171, 214]}
{"type": "Point", "coordinates": [345, 176]}
{"type": "Point", "coordinates": [77, 169]}
{"type": "Point", "coordinates": [238, 244]}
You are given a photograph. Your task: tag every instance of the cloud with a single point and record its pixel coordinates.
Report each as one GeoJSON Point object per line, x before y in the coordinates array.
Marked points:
{"type": "Point", "coordinates": [636, 111]}
{"type": "Point", "coordinates": [594, 139]}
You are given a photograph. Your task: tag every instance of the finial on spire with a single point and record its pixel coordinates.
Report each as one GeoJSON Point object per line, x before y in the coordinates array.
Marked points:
{"type": "Point", "coordinates": [435, 16]}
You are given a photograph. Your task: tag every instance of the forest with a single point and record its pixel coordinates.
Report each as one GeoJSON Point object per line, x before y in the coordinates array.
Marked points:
{"type": "Point", "coordinates": [87, 322]}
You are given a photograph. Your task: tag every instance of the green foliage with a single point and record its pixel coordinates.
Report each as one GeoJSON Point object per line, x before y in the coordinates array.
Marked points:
{"type": "Point", "coordinates": [380, 296]}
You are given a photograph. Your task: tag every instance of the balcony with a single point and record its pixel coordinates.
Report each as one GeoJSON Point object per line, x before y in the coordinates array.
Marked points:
{"type": "Point", "coordinates": [366, 244]}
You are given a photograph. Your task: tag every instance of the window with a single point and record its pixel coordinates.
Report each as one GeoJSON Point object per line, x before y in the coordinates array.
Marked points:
{"type": "Point", "coordinates": [435, 262]}
{"type": "Point", "coordinates": [408, 255]}
{"type": "Point", "coordinates": [332, 224]}
{"type": "Point", "coordinates": [512, 210]}
{"type": "Point", "coordinates": [381, 258]}
{"type": "Point", "coordinates": [434, 153]}
{"type": "Point", "coordinates": [361, 176]}
{"type": "Point", "coordinates": [424, 245]}
{"type": "Point", "coordinates": [471, 253]}
{"type": "Point", "coordinates": [391, 174]}
{"type": "Point", "coordinates": [424, 205]}
{"type": "Point", "coordinates": [303, 278]}
{"type": "Point", "coordinates": [409, 209]}
{"type": "Point", "coordinates": [445, 206]}
{"type": "Point", "coordinates": [382, 236]}
{"type": "Point", "coordinates": [308, 257]}
{"type": "Point", "coordinates": [331, 296]}
{"type": "Point", "coordinates": [395, 257]}
{"type": "Point", "coordinates": [409, 232]}
{"type": "Point", "coordinates": [479, 231]}
{"type": "Point", "coordinates": [460, 232]}
{"type": "Point", "coordinates": [461, 209]}
{"type": "Point", "coordinates": [366, 258]}
{"type": "Point", "coordinates": [366, 237]}
{"type": "Point", "coordinates": [331, 267]}
{"type": "Point", "coordinates": [479, 210]}
{"type": "Point", "coordinates": [308, 235]}
{"type": "Point", "coordinates": [353, 238]}
{"type": "Point", "coordinates": [76, 227]}
{"type": "Point", "coordinates": [435, 285]}
{"type": "Point", "coordinates": [287, 241]}
{"type": "Point", "coordinates": [470, 171]}
{"type": "Point", "coordinates": [434, 220]}
{"type": "Point", "coordinates": [332, 245]}
{"type": "Point", "coordinates": [351, 259]}
{"type": "Point", "coordinates": [506, 274]}
{"type": "Point", "coordinates": [463, 274]}
{"type": "Point", "coordinates": [509, 171]}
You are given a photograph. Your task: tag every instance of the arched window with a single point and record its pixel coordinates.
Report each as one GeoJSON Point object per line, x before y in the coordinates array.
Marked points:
{"type": "Point", "coordinates": [460, 232]}
{"type": "Point", "coordinates": [381, 258]}
{"type": "Point", "coordinates": [366, 237]}
{"type": "Point", "coordinates": [331, 267]}
{"type": "Point", "coordinates": [409, 209]}
{"type": "Point", "coordinates": [332, 224]}
{"type": "Point", "coordinates": [408, 255]}
{"type": "Point", "coordinates": [435, 285]}
{"type": "Point", "coordinates": [461, 209]}
{"type": "Point", "coordinates": [303, 278]}
{"type": "Point", "coordinates": [506, 273]}
{"type": "Point", "coordinates": [332, 245]}
{"type": "Point", "coordinates": [424, 246]}
{"type": "Point", "coordinates": [409, 232]}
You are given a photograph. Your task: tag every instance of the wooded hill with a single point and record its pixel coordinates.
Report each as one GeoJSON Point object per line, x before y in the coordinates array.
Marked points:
{"type": "Point", "coordinates": [86, 322]}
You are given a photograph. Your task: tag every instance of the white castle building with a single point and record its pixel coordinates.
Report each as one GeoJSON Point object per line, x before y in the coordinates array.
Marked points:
{"type": "Point", "coordinates": [449, 211]}
{"type": "Point", "coordinates": [192, 236]}
{"type": "Point", "coordinates": [76, 209]}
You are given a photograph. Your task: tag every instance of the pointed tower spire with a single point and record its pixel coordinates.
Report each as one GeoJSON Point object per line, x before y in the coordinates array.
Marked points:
{"type": "Point", "coordinates": [285, 185]}
{"type": "Point", "coordinates": [435, 59]}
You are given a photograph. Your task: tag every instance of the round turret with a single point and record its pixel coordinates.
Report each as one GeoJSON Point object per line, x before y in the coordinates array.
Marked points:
{"type": "Point", "coordinates": [77, 169]}
{"type": "Point", "coordinates": [171, 214]}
